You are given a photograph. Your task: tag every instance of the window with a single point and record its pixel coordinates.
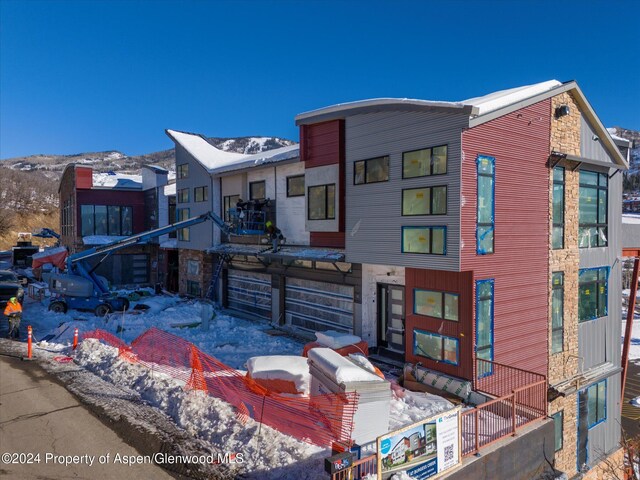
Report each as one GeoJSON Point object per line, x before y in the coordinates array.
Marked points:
{"type": "Point", "coordinates": [322, 199]}
{"type": "Point", "coordinates": [484, 325]}
{"type": "Point", "coordinates": [193, 288]}
{"type": "Point", "coordinates": [183, 233]}
{"type": "Point", "coordinates": [427, 161]}
{"type": "Point", "coordinates": [424, 240]}
{"type": "Point", "coordinates": [597, 403]}
{"type": "Point", "coordinates": [183, 195]}
{"type": "Point", "coordinates": [436, 347]}
{"type": "Point", "coordinates": [557, 236]}
{"type": "Point", "coordinates": [486, 205]}
{"type": "Point", "coordinates": [172, 214]}
{"type": "Point", "coordinates": [593, 209]}
{"type": "Point", "coordinates": [557, 312]}
{"type": "Point", "coordinates": [257, 190]}
{"type": "Point", "coordinates": [112, 220]}
{"type": "Point", "coordinates": [592, 293]}
{"type": "Point", "coordinates": [183, 170]}
{"type": "Point", "coordinates": [558, 418]}
{"type": "Point", "coordinates": [230, 202]}
{"type": "Point", "coordinates": [424, 201]}
{"type": "Point", "coordinates": [431, 303]}
{"type": "Point", "coordinates": [201, 194]}
{"type": "Point", "coordinates": [371, 171]}
{"type": "Point", "coordinates": [295, 186]}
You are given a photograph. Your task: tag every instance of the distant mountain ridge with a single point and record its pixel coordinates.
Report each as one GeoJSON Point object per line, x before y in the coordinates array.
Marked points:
{"type": "Point", "coordinates": [52, 166]}
{"type": "Point", "coordinates": [631, 178]}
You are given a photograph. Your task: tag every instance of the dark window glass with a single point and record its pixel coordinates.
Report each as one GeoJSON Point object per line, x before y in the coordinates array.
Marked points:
{"type": "Point", "coordinates": [295, 186]}
{"type": "Point", "coordinates": [597, 403]}
{"type": "Point", "coordinates": [183, 195]}
{"type": "Point", "coordinates": [485, 230]}
{"type": "Point", "coordinates": [592, 293]}
{"type": "Point", "coordinates": [183, 233]}
{"type": "Point", "coordinates": [102, 227]}
{"type": "Point", "coordinates": [557, 237]}
{"type": "Point", "coordinates": [557, 312]}
{"type": "Point", "coordinates": [201, 194]}
{"type": "Point", "coordinates": [372, 170]}
{"type": "Point", "coordinates": [114, 220]}
{"type": "Point", "coordinates": [86, 213]}
{"type": "Point", "coordinates": [127, 220]}
{"type": "Point", "coordinates": [183, 170]}
{"type": "Point", "coordinates": [484, 324]}
{"type": "Point", "coordinates": [173, 218]}
{"type": "Point", "coordinates": [230, 202]}
{"type": "Point", "coordinates": [257, 190]}
{"type": "Point", "coordinates": [593, 206]}
{"type": "Point", "coordinates": [558, 428]}
{"type": "Point", "coordinates": [321, 202]}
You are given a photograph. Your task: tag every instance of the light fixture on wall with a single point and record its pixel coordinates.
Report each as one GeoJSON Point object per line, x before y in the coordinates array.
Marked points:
{"type": "Point", "coordinates": [562, 110]}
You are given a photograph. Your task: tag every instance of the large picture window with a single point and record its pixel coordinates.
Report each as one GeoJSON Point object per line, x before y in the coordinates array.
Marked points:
{"type": "Point", "coordinates": [593, 209]}
{"type": "Point", "coordinates": [257, 190]}
{"type": "Point", "coordinates": [436, 347]}
{"type": "Point", "coordinates": [322, 202]}
{"type": "Point", "coordinates": [295, 186]}
{"type": "Point", "coordinates": [430, 240]}
{"type": "Point", "coordinates": [113, 220]}
{"type": "Point", "coordinates": [557, 236]}
{"type": "Point", "coordinates": [435, 304]}
{"type": "Point", "coordinates": [593, 291]}
{"type": "Point", "coordinates": [371, 171]}
{"type": "Point", "coordinates": [557, 312]}
{"type": "Point", "coordinates": [424, 201]}
{"type": "Point", "coordinates": [485, 228]}
{"type": "Point", "coordinates": [484, 325]}
{"type": "Point", "coordinates": [424, 162]}
{"type": "Point", "coordinates": [230, 202]}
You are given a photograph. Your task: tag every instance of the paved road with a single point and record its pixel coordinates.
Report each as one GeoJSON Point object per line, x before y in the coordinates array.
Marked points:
{"type": "Point", "coordinates": [630, 413]}
{"type": "Point", "coordinates": [39, 416]}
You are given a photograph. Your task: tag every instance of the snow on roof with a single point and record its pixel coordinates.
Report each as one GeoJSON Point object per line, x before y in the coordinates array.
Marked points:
{"type": "Point", "coordinates": [170, 189]}
{"type": "Point", "coordinates": [171, 243]}
{"type": "Point", "coordinates": [502, 98]}
{"type": "Point", "coordinates": [218, 161]}
{"type": "Point", "coordinates": [476, 106]}
{"type": "Point", "coordinates": [630, 218]}
{"type": "Point", "coordinates": [612, 131]}
{"type": "Point", "coordinates": [117, 181]}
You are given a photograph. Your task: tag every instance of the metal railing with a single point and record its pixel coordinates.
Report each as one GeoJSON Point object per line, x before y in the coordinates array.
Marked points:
{"type": "Point", "coordinates": [359, 469]}
{"type": "Point", "coordinates": [247, 222]}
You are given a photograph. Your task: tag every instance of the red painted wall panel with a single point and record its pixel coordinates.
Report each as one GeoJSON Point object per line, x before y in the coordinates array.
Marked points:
{"type": "Point", "coordinates": [520, 143]}
{"type": "Point", "coordinates": [84, 177]}
{"type": "Point", "coordinates": [327, 239]}
{"type": "Point", "coordinates": [451, 282]}
{"type": "Point", "coordinates": [323, 143]}
{"type": "Point", "coordinates": [133, 199]}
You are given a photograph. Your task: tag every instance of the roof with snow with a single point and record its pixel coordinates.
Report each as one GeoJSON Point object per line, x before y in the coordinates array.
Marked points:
{"type": "Point", "coordinates": [479, 109]}
{"type": "Point", "coordinates": [218, 161]}
{"type": "Point", "coordinates": [117, 181]}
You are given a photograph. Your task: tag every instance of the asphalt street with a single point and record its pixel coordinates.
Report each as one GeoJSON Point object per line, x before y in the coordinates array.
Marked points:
{"type": "Point", "coordinates": [45, 432]}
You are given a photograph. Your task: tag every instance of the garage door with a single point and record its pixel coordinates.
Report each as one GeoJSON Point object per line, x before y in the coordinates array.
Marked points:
{"type": "Point", "coordinates": [250, 293]}
{"type": "Point", "coordinates": [318, 306]}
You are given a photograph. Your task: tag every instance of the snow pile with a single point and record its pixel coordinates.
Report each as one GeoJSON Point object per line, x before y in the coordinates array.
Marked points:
{"type": "Point", "coordinates": [117, 180]}
{"type": "Point", "coordinates": [408, 407]}
{"type": "Point", "coordinates": [363, 362]}
{"type": "Point", "coordinates": [335, 340]}
{"type": "Point", "coordinates": [209, 418]}
{"type": "Point", "coordinates": [634, 350]}
{"type": "Point", "coordinates": [338, 368]}
{"type": "Point", "coordinates": [286, 368]}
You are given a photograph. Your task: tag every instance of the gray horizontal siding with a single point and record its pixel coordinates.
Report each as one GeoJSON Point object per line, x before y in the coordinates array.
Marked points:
{"type": "Point", "coordinates": [605, 437]}
{"type": "Point", "coordinates": [590, 148]}
{"type": "Point", "coordinates": [201, 235]}
{"type": "Point", "coordinates": [599, 340]}
{"type": "Point", "coordinates": [374, 218]}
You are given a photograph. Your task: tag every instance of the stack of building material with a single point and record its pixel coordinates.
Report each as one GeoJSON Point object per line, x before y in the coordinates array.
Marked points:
{"type": "Point", "coordinates": [343, 343]}
{"type": "Point", "coordinates": [280, 373]}
{"type": "Point", "coordinates": [333, 373]}
{"type": "Point", "coordinates": [419, 378]}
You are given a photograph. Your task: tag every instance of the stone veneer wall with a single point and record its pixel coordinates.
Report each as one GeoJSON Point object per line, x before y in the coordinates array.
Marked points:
{"type": "Point", "coordinates": [205, 270]}
{"type": "Point", "coordinates": [565, 138]}
{"type": "Point", "coordinates": [610, 469]}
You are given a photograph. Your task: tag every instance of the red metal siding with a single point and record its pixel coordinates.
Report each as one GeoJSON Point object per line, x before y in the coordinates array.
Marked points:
{"type": "Point", "coordinates": [327, 239]}
{"type": "Point", "coordinates": [322, 143]}
{"type": "Point", "coordinates": [451, 282]}
{"type": "Point", "coordinates": [84, 177]}
{"type": "Point", "coordinates": [133, 199]}
{"type": "Point", "coordinates": [519, 141]}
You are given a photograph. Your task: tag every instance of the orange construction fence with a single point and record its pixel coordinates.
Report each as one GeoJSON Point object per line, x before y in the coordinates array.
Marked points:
{"type": "Point", "coordinates": [321, 419]}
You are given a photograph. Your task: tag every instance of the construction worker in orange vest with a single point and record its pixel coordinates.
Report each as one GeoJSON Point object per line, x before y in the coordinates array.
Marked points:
{"type": "Point", "coordinates": [13, 311]}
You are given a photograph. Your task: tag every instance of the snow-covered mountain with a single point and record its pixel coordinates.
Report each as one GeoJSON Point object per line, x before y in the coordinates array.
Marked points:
{"type": "Point", "coordinates": [632, 177]}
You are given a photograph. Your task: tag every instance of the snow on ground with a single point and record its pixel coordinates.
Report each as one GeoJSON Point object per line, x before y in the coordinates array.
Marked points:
{"type": "Point", "coordinates": [231, 340]}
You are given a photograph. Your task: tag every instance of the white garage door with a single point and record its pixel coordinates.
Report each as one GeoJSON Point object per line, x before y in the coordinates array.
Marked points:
{"type": "Point", "coordinates": [318, 306]}
{"type": "Point", "coordinates": [250, 293]}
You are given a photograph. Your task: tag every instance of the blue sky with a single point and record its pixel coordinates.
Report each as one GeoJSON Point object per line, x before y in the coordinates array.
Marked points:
{"type": "Point", "coordinates": [80, 76]}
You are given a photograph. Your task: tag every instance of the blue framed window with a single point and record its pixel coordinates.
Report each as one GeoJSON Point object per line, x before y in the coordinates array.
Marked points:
{"type": "Point", "coordinates": [557, 312]}
{"type": "Point", "coordinates": [431, 240]}
{"type": "Point", "coordinates": [484, 325]}
{"type": "Point", "coordinates": [593, 206]}
{"type": "Point", "coordinates": [435, 304]}
{"type": "Point", "coordinates": [485, 227]}
{"type": "Point", "coordinates": [596, 398]}
{"type": "Point", "coordinates": [436, 347]}
{"type": "Point", "coordinates": [558, 419]}
{"type": "Point", "coordinates": [592, 293]}
{"type": "Point", "coordinates": [557, 235]}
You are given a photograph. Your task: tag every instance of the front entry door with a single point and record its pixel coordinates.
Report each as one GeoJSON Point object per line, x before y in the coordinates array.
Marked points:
{"type": "Point", "coordinates": [391, 317]}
